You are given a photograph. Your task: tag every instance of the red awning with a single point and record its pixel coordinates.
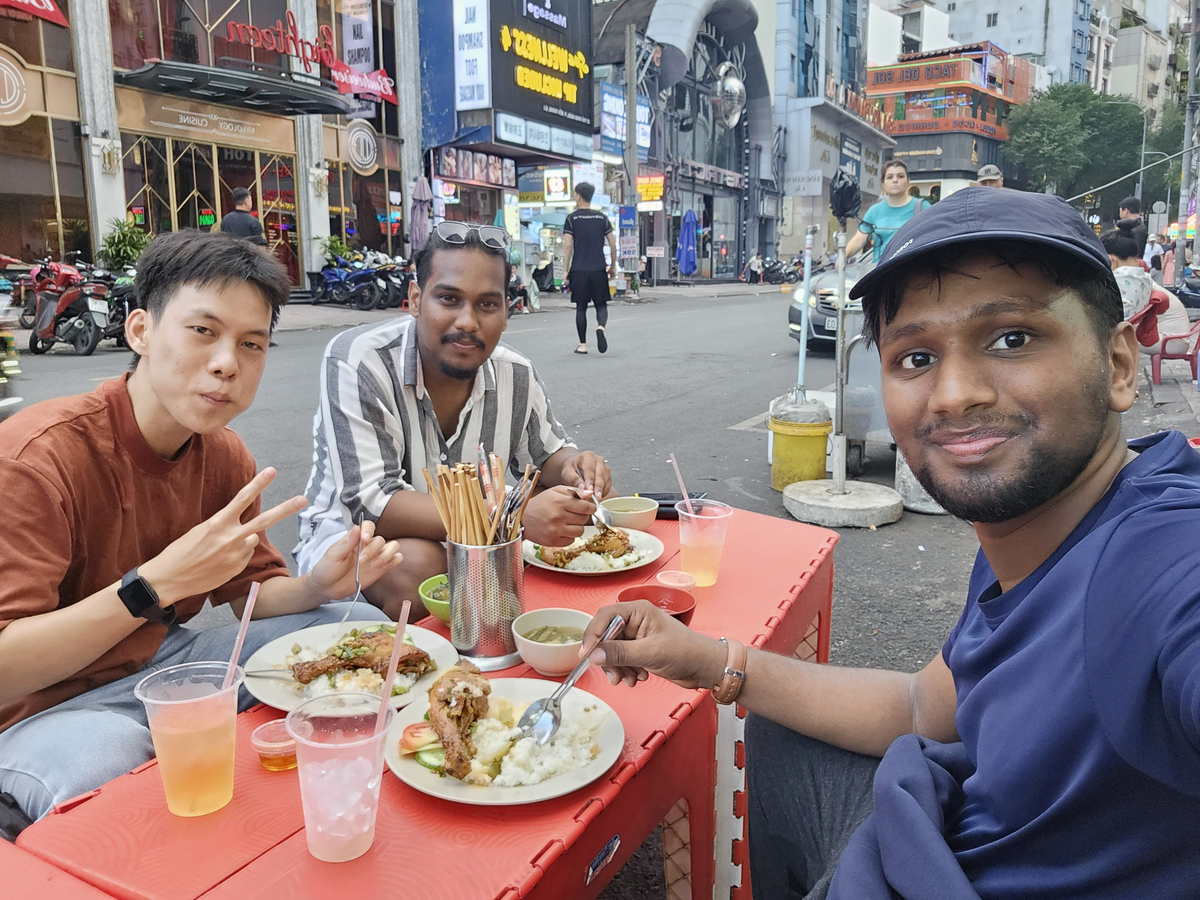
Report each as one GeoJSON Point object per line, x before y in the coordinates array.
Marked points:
{"type": "Point", "coordinates": [43, 9]}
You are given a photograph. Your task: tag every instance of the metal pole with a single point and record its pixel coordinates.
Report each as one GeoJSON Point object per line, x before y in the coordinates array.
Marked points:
{"type": "Point", "coordinates": [839, 435]}
{"type": "Point", "coordinates": [1142, 174]}
{"type": "Point", "coordinates": [804, 313]}
{"type": "Point", "coordinates": [631, 80]}
{"type": "Point", "coordinates": [1189, 128]}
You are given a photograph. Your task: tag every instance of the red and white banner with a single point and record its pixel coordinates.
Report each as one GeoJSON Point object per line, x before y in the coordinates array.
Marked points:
{"type": "Point", "coordinates": [351, 81]}
{"type": "Point", "coordinates": [43, 9]}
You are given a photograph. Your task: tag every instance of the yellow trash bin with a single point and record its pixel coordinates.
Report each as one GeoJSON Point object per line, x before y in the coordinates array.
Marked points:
{"type": "Point", "coordinates": [799, 452]}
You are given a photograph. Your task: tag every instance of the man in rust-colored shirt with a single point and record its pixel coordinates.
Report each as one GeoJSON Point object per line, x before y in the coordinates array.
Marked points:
{"type": "Point", "coordinates": [126, 508]}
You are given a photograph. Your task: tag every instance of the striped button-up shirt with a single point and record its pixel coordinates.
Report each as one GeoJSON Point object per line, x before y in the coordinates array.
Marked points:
{"type": "Point", "coordinates": [375, 427]}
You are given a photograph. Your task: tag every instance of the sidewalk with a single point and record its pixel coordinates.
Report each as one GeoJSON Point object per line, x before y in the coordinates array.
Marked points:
{"type": "Point", "coordinates": [1173, 404]}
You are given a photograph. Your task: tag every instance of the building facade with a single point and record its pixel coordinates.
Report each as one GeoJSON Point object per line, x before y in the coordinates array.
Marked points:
{"type": "Point", "coordinates": [1051, 33]}
{"type": "Point", "coordinates": [905, 26]}
{"type": "Point", "coordinates": [154, 111]}
{"type": "Point", "coordinates": [823, 113]}
{"type": "Point", "coordinates": [948, 111]}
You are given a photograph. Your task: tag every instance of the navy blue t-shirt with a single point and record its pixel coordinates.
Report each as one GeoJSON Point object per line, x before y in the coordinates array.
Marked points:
{"type": "Point", "coordinates": [1078, 775]}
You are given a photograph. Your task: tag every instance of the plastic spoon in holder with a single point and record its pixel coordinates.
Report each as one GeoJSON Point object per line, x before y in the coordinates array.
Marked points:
{"type": "Point", "coordinates": [542, 719]}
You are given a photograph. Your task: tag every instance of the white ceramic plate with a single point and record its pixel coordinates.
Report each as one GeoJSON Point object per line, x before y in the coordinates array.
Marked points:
{"type": "Point", "coordinates": [284, 695]}
{"type": "Point", "coordinates": [650, 547]}
{"type": "Point", "coordinates": [519, 690]}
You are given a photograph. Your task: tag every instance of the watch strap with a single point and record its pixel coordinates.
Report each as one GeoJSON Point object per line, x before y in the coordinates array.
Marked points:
{"type": "Point", "coordinates": [142, 601]}
{"type": "Point", "coordinates": [734, 676]}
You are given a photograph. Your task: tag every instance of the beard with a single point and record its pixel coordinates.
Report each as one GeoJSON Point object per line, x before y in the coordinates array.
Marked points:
{"type": "Point", "coordinates": [458, 372]}
{"type": "Point", "coordinates": [1051, 466]}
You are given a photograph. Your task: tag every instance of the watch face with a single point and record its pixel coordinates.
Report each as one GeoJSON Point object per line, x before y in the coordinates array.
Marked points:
{"type": "Point", "coordinates": [139, 598]}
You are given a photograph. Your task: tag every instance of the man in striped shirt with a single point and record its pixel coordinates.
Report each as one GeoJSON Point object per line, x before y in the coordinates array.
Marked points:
{"type": "Point", "coordinates": [416, 393]}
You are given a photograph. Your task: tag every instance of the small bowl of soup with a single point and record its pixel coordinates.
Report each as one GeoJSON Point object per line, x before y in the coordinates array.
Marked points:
{"type": "Point", "coordinates": [549, 639]}
{"type": "Point", "coordinates": [637, 513]}
{"type": "Point", "coordinates": [435, 594]}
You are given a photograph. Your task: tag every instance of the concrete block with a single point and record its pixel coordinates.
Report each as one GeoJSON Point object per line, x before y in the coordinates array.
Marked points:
{"type": "Point", "coordinates": [864, 504]}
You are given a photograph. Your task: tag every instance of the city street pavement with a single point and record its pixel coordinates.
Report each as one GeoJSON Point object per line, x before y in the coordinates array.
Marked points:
{"type": "Point", "coordinates": [689, 370]}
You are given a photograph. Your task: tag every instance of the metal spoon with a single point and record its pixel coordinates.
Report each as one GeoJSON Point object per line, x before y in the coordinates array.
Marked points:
{"type": "Point", "coordinates": [542, 719]}
{"type": "Point", "coordinates": [603, 518]}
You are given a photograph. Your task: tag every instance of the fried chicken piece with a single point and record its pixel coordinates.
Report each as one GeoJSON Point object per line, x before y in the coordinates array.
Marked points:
{"type": "Point", "coordinates": [456, 701]}
{"type": "Point", "coordinates": [560, 557]}
{"type": "Point", "coordinates": [612, 541]}
{"type": "Point", "coordinates": [372, 650]}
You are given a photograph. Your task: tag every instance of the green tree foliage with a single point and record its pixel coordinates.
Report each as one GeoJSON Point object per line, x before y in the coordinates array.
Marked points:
{"type": "Point", "coordinates": [1073, 139]}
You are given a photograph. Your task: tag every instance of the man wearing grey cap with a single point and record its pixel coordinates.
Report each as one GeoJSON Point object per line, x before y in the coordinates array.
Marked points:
{"type": "Point", "coordinates": [1052, 747]}
{"type": "Point", "coordinates": [990, 176]}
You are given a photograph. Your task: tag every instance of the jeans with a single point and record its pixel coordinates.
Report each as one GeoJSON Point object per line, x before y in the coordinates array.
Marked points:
{"type": "Point", "coordinates": [806, 799]}
{"type": "Point", "coordinates": [91, 739]}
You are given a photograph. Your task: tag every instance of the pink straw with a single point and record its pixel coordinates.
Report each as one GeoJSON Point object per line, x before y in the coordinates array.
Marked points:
{"type": "Point", "coordinates": [401, 625]}
{"type": "Point", "coordinates": [687, 501]}
{"type": "Point", "coordinates": [241, 636]}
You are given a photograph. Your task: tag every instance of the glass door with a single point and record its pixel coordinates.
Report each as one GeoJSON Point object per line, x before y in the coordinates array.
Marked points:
{"type": "Point", "coordinates": [277, 188]}
{"type": "Point", "coordinates": [194, 186]}
{"type": "Point", "coordinates": [147, 183]}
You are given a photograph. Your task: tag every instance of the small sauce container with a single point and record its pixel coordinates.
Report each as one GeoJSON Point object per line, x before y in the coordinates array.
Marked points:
{"type": "Point", "coordinates": [681, 580]}
{"type": "Point", "coordinates": [275, 747]}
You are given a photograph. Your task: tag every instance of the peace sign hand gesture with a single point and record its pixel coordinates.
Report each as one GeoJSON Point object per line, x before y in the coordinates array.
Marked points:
{"type": "Point", "coordinates": [218, 549]}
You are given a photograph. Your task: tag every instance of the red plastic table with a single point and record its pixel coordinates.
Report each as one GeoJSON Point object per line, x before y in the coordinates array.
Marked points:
{"type": "Point", "coordinates": [774, 591]}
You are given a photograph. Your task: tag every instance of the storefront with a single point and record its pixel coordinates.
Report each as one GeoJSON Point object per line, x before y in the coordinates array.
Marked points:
{"type": "Point", "coordinates": [43, 196]}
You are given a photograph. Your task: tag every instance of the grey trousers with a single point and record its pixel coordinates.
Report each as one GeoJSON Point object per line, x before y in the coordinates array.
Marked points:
{"type": "Point", "coordinates": [806, 799]}
{"type": "Point", "coordinates": [89, 740]}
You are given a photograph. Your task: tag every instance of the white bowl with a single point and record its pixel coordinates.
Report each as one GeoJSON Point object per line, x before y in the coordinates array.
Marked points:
{"type": "Point", "coordinates": [549, 659]}
{"type": "Point", "coordinates": [637, 513]}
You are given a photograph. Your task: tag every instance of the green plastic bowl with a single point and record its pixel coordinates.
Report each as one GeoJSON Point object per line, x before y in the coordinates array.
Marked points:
{"type": "Point", "coordinates": [439, 608]}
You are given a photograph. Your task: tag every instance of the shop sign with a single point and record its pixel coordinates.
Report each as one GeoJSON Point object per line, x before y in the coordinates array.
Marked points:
{"type": "Point", "coordinates": [206, 218]}
{"type": "Point", "coordinates": [510, 128]}
{"type": "Point", "coordinates": [561, 141]}
{"type": "Point", "coordinates": [15, 107]}
{"type": "Point", "coordinates": [362, 147]}
{"type": "Point", "coordinates": [650, 206]}
{"type": "Point", "coordinates": [582, 146]}
{"type": "Point", "coordinates": [351, 81]}
{"type": "Point", "coordinates": [627, 248]}
{"type": "Point", "coordinates": [928, 126]}
{"type": "Point", "coordinates": [651, 186]}
{"type": "Point", "coordinates": [457, 164]}
{"type": "Point", "coordinates": [612, 122]}
{"type": "Point", "coordinates": [358, 52]}
{"type": "Point", "coordinates": [43, 9]}
{"type": "Point", "coordinates": [164, 114]}
{"type": "Point", "coordinates": [896, 79]}
{"type": "Point", "coordinates": [537, 135]}
{"type": "Point", "coordinates": [558, 185]}
{"type": "Point", "coordinates": [540, 11]}
{"type": "Point", "coordinates": [541, 65]}
{"type": "Point", "coordinates": [286, 40]}
{"type": "Point", "coordinates": [472, 63]}
{"type": "Point", "coordinates": [851, 159]}
{"type": "Point", "coordinates": [803, 184]}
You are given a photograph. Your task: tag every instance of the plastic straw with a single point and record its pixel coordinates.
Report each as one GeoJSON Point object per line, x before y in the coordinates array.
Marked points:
{"type": "Point", "coordinates": [241, 636]}
{"type": "Point", "coordinates": [401, 625]}
{"type": "Point", "coordinates": [687, 500]}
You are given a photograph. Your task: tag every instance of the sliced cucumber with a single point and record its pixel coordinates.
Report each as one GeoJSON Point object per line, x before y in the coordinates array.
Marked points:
{"type": "Point", "coordinates": [432, 758]}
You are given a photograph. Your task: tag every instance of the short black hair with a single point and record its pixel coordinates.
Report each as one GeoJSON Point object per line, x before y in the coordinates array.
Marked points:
{"type": "Point", "coordinates": [202, 259]}
{"type": "Point", "coordinates": [425, 257]}
{"type": "Point", "coordinates": [1096, 288]}
{"type": "Point", "coordinates": [239, 195]}
{"type": "Point", "coordinates": [585, 190]}
{"type": "Point", "coordinates": [1133, 204]}
{"type": "Point", "coordinates": [1120, 242]}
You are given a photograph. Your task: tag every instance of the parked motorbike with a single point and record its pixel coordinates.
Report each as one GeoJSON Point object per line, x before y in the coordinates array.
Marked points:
{"type": "Point", "coordinates": [122, 301]}
{"type": "Point", "coordinates": [17, 272]}
{"type": "Point", "coordinates": [1189, 294]}
{"type": "Point", "coordinates": [69, 309]}
{"type": "Point", "coordinates": [348, 281]}
{"type": "Point", "coordinates": [10, 364]}
{"type": "Point", "coordinates": [396, 272]}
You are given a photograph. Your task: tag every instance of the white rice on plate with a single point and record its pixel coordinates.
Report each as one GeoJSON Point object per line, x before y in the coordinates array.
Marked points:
{"type": "Point", "coordinates": [522, 762]}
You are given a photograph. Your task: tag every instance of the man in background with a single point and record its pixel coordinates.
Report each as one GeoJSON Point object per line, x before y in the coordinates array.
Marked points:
{"type": "Point", "coordinates": [584, 233]}
{"type": "Point", "coordinates": [990, 176]}
{"type": "Point", "coordinates": [1131, 208]}
{"type": "Point", "coordinates": [241, 222]}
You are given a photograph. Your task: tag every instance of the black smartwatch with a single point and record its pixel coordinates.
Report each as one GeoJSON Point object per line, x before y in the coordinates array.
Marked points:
{"type": "Point", "coordinates": [141, 601]}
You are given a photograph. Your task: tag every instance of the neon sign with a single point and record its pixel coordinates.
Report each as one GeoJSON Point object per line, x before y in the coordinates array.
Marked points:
{"type": "Point", "coordinates": [286, 41]}
{"type": "Point", "coordinates": [207, 217]}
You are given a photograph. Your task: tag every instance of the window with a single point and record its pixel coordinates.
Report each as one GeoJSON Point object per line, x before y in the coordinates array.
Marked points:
{"type": "Point", "coordinates": [795, 72]}
{"type": "Point", "coordinates": [1081, 8]}
{"type": "Point", "coordinates": [992, 19]}
{"type": "Point", "coordinates": [950, 7]}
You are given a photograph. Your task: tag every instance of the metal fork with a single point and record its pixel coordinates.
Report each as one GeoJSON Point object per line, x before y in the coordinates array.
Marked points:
{"type": "Point", "coordinates": [357, 584]}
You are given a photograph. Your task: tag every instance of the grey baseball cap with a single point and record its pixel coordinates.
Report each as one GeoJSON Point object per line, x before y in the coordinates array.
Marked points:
{"type": "Point", "coordinates": [989, 173]}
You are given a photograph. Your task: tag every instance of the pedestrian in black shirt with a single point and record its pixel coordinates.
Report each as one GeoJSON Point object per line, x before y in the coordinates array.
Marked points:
{"type": "Point", "coordinates": [1131, 208]}
{"type": "Point", "coordinates": [583, 249]}
{"type": "Point", "coordinates": [241, 223]}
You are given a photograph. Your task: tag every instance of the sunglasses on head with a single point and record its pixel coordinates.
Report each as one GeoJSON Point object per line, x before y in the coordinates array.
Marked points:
{"type": "Point", "coordinates": [491, 236]}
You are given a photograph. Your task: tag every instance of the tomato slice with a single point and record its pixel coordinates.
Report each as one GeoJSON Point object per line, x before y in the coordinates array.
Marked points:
{"type": "Point", "coordinates": [418, 736]}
